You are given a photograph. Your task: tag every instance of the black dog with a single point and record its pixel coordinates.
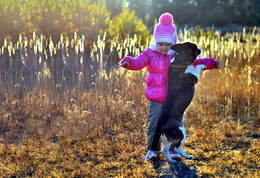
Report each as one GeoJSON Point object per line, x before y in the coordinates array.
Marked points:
{"type": "Point", "coordinates": [181, 87]}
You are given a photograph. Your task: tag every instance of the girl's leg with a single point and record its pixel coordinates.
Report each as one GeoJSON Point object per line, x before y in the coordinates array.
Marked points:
{"type": "Point", "coordinates": [155, 109]}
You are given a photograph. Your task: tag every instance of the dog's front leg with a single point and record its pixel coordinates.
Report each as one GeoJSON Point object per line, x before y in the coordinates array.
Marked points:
{"type": "Point", "coordinates": [179, 149]}
{"type": "Point", "coordinates": [195, 71]}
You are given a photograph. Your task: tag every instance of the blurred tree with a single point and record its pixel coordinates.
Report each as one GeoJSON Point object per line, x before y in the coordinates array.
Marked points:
{"type": "Point", "coordinates": [140, 7]}
{"type": "Point", "coordinates": [160, 6]}
{"type": "Point", "coordinates": [43, 17]}
{"type": "Point", "coordinates": [204, 12]}
{"type": "Point", "coordinates": [247, 12]}
{"type": "Point", "coordinates": [84, 17]}
{"type": "Point", "coordinates": [53, 18]}
{"type": "Point", "coordinates": [93, 17]}
{"type": "Point", "coordinates": [100, 18]}
{"type": "Point", "coordinates": [184, 12]}
{"type": "Point", "coordinates": [114, 6]}
{"type": "Point", "coordinates": [256, 12]}
{"type": "Point", "coordinates": [127, 24]}
{"type": "Point", "coordinates": [10, 20]}
{"type": "Point", "coordinates": [218, 12]}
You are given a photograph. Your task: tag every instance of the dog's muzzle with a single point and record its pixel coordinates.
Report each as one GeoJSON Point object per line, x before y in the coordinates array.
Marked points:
{"type": "Point", "coordinates": [198, 52]}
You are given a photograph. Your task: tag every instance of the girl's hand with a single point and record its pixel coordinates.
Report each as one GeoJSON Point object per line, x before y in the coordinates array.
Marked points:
{"type": "Point", "coordinates": [124, 64]}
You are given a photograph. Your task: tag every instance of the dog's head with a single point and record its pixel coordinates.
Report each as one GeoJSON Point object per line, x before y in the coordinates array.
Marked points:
{"type": "Point", "coordinates": [186, 53]}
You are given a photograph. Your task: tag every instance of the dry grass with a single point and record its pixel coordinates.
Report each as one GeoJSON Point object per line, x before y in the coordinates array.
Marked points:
{"type": "Point", "coordinates": [101, 131]}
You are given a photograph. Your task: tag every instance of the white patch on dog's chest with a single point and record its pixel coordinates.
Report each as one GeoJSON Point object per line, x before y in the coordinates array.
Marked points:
{"type": "Point", "coordinates": [173, 59]}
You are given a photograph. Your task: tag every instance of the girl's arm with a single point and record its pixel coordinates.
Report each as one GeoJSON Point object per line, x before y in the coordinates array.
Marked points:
{"type": "Point", "coordinates": [135, 63]}
{"type": "Point", "coordinates": [211, 63]}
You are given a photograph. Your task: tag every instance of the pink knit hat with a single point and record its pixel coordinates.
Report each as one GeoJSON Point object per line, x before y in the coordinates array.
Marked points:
{"type": "Point", "coordinates": [165, 30]}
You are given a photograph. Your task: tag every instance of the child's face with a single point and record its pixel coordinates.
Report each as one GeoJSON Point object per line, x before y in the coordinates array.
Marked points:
{"type": "Point", "coordinates": [163, 47]}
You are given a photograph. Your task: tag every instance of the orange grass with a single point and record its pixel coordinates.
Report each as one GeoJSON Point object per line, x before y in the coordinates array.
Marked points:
{"type": "Point", "coordinates": [101, 132]}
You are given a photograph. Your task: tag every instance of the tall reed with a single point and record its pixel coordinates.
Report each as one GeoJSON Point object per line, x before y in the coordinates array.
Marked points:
{"type": "Point", "coordinates": [77, 85]}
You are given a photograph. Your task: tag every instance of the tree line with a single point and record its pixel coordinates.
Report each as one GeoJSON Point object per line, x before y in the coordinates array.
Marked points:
{"type": "Point", "coordinates": [193, 12]}
{"type": "Point", "coordinates": [118, 18]}
{"type": "Point", "coordinates": [52, 18]}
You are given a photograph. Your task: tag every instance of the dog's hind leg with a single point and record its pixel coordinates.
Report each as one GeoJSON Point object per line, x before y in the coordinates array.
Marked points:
{"type": "Point", "coordinates": [166, 146]}
{"type": "Point", "coordinates": [179, 149]}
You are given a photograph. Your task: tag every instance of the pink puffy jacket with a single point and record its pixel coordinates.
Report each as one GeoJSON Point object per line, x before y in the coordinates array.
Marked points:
{"type": "Point", "coordinates": [158, 67]}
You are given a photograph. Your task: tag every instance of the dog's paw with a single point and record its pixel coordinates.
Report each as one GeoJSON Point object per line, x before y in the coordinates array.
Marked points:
{"type": "Point", "coordinates": [200, 67]}
{"type": "Point", "coordinates": [149, 154]}
{"type": "Point", "coordinates": [188, 156]}
{"type": "Point", "coordinates": [182, 153]}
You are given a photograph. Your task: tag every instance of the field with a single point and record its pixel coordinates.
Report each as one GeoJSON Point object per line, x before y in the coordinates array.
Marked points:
{"type": "Point", "coordinates": [66, 111]}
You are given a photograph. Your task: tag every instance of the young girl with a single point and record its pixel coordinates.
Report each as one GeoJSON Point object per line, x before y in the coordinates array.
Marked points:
{"type": "Point", "coordinates": [157, 59]}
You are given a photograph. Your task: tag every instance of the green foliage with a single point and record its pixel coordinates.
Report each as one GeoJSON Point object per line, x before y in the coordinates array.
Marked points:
{"type": "Point", "coordinates": [94, 17]}
{"type": "Point", "coordinates": [84, 17]}
{"type": "Point", "coordinates": [43, 17]}
{"type": "Point", "coordinates": [56, 17]}
{"type": "Point", "coordinates": [10, 18]}
{"type": "Point", "coordinates": [53, 18]}
{"type": "Point", "coordinates": [127, 24]}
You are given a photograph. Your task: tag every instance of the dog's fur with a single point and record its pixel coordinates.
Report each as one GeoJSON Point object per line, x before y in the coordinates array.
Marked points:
{"type": "Point", "coordinates": [181, 87]}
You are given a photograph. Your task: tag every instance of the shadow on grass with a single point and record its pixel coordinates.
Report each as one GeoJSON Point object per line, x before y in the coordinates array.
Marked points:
{"type": "Point", "coordinates": [165, 169]}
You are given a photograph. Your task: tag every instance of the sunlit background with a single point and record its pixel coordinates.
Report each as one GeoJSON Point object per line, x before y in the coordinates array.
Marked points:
{"type": "Point", "coordinates": [120, 17]}
{"type": "Point", "coordinates": [67, 111]}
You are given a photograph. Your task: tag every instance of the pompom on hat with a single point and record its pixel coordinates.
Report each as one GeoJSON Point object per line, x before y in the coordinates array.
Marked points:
{"type": "Point", "coordinates": [165, 31]}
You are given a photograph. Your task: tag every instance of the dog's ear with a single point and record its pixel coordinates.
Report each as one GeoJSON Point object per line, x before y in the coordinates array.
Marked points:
{"type": "Point", "coordinates": [176, 47]}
